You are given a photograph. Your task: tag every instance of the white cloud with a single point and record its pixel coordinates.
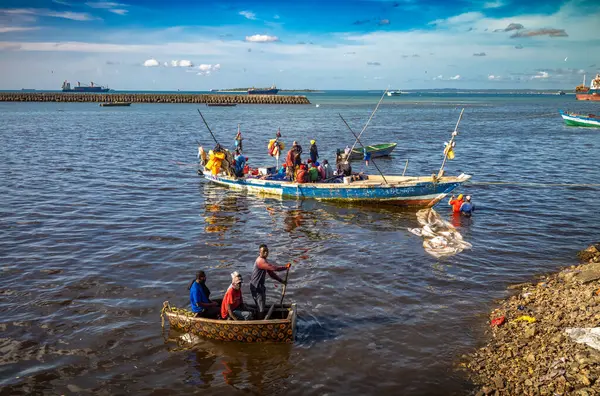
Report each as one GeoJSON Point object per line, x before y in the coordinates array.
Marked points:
{"type": "Point", "coordinates": [119, 11]}
{"type": "Point", "coordinates": [492, 77]}
{"type": "Point", "coordinates": [261, 38]}
{"type": "Point", "coordinates": [493, 4]}
{"type": "Point", "coordinates": [541, 74]}
{"type": "Point", "coordinates": [248, 15]}
{"type": "Point", "coordinates": [61, 2]}
{"type": "Point", "coordinates": [181, 63]}
{"type": "Point", "coordinates": [457, 77]}
{"type": "Point", "coordinates": [6, 29]}
{"type": "Point", "coordinates": [104, 4]}
{"type": "Point", "coordinates": [75, 16]}
{"type": "Point", "coordinates": [151, 63]}
{"type": "Point", "coordinates": [468, 17]}
{"type": "Point", "coordinates": [276, 17]}
{"type": "Point", "coordinates": [206, 69]}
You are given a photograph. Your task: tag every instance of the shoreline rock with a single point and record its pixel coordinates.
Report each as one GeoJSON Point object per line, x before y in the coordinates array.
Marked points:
{"type": "Point", "coordinates": [529, 351]}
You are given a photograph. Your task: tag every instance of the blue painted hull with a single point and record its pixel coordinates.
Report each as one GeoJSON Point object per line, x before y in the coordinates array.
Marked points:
{"type": "Point", "coordinates": [414, 192]}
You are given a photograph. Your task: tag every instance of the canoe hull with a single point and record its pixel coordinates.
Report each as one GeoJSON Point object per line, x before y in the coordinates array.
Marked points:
{"type": "Point", "coordinates": [357, 154]}
{"type": "Point", "coordinates": [573, 119]}
{"type": "Point", "coordinates": [402, 191]}
{"type": "Point", "coordinates": [249, 331]}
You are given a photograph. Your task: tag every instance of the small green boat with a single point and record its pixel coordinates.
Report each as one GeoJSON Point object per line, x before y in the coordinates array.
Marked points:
{"type": "Point", "coordinates": [376, 150]}
{"type": "Point", "coordinates": [583, 120]}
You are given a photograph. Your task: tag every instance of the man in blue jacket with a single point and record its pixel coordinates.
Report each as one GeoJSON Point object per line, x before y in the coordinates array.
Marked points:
{"type": "Point", "coordinates": [467, 208]}
{"type": "Point", "coordinates": [200, 301]}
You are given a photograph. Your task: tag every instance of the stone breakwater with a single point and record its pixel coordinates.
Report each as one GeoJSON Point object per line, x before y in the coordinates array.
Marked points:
{"type": "Point", "coordinates": [149, 98]}
{"type": "Point", "coordinates": [532, 348]}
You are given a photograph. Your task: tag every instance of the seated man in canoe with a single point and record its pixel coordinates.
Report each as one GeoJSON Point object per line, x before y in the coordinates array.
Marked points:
{"type": "Point", "coordinates": [200, 301]}
{"type": "Point", "coordinates": [233, 307]}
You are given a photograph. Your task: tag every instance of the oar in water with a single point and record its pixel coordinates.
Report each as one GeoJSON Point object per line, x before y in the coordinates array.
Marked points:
{"type": "Point", "coordinates": [282, 294]}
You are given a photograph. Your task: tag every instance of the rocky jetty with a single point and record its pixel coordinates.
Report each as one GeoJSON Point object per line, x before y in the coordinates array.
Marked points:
{"type": "Point", "coordinates": [532, 348]}
{"type": "Point", "coordinates": [150, 98]}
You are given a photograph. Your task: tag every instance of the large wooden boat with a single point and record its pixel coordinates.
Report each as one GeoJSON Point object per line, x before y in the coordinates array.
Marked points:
{"type": "Point", "coordinates": [583, 120]}
{"type": "Point", "coordinates": [281, 328]}
{"type": "Point", "coordinates": [376, 151]}
{"type": "Point", "coordinates": [424, 191]}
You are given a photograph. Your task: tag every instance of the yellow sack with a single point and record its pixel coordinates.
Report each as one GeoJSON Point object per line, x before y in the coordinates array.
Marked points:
{"type": "Point", "coordinates": [449, 152]}
{"type": "Point", "coordinates": [214, 162]}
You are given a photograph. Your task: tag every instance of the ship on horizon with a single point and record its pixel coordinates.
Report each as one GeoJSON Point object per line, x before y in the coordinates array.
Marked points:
{"type": "Point", "coordinates": [264, 91]}
{"type": "Point", "coordinates": [66, 87]}
{"type": "Point", "coordinates": [589, 93]}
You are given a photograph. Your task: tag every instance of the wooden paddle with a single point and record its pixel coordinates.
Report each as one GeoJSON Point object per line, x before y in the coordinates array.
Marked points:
{"type": "Point", "coordinates": [282, 294]}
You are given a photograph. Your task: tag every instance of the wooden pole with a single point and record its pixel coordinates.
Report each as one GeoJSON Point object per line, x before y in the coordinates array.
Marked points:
{"type": "Point", "coordinates": [282, 295]}
{"type": "Point", "coordinates": [358, 140]}
{"type": "Point", "coordinates": [441, 171]}
{"type": "Point", "coordinates": [368, 121]}
{"type": "Point", "coordinates": [205, 123]}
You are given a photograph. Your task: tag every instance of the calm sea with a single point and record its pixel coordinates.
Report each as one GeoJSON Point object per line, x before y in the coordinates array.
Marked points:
{"type": "Point", "coordinates": [103, 218]}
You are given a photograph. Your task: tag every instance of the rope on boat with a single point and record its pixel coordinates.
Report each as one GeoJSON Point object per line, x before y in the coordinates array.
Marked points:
{"type": "Point", "coordinates": [536, 184]}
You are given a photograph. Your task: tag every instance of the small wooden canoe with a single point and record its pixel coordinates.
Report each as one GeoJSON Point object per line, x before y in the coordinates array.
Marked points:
{"type": "Point", "coordinates": [222, 104]}
{"type": "Point", "coordinates": [115, 104]}
{"type": "Point", "coordinates": [281, 328]}
{"type": "Point", "coordinates": [376, 150]}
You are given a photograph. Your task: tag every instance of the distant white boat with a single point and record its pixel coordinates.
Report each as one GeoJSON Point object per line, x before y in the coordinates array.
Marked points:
{"type": "Point", "coordinates": [317, 105]}
{"type": "Point", "coordinates": [394, 93]}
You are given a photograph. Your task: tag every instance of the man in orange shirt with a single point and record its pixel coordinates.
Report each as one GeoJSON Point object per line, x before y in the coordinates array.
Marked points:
{"type": "Point", "coordinates": [456, 203]}
{"type": "Point", "coordinates": [233, 306]}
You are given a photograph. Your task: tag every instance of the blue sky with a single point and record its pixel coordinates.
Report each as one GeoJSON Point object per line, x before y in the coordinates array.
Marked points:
{"type": "Point", "coordinates": [367, 44]}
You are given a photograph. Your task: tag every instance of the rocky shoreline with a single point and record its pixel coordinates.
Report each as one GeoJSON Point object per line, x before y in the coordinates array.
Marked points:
{"type": "Point", "coordinates": [532, 348]}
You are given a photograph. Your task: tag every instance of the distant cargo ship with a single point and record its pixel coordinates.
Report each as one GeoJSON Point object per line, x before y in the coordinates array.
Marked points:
{"type": "Point", "coordinates": [589, 93]}
{"type": "Point", "coordinates": [66, 87]}
{"type": "Point", "coordinates": [263, 91]}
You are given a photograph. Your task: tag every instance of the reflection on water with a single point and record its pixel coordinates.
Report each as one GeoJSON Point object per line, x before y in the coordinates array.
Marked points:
{"type": "Point", "coordinates": [259, 368]}
{"type": "Point", "coordinates": [95, 237]}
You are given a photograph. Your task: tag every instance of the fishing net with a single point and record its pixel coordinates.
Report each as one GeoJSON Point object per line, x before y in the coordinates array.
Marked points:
{"type": "Point", "coordinates": [440, 238]}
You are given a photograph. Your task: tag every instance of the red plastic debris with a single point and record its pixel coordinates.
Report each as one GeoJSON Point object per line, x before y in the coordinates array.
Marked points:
{"type": "Point", "coordinates": [498, 321]}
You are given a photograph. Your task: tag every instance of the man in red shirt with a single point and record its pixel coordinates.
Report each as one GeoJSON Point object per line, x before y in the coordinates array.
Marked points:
{"type": "Point", "coordinates": [233, 306]}
{"type": "Point", "coordinates": [262, 267]}
{"type": "Point", "coordinates": [456, 203]}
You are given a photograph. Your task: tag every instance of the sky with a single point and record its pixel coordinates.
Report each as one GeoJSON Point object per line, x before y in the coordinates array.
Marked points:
{"type": "Point", "coordinates": [299, 44]}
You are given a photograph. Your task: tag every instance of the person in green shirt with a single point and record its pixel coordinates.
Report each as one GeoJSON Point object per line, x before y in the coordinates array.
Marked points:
{"type": "Point", "coordinates": [313, 173]}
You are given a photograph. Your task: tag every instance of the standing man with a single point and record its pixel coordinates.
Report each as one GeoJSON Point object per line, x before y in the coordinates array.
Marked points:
{"type": "Point", "coordinates": [314, 152]}
{"type": "Point", "coordinates": [262, 267]}
{"type": "Point", "coordinates": [456, 203]}
{"type": "Point", "coordinates": [238, 140]}
{"type": "Point", "coordinates": [467, 207]}
{"type": "Point", "coordinates": [233, 306]}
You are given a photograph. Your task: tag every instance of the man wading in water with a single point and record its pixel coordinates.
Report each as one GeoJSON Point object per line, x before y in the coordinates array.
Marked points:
{"type": "Point", "coordinates": [257, 280]}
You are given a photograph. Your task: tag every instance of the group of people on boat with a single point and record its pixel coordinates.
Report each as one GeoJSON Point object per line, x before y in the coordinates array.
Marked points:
{"type": "Point", "coordinates": [232, 306]}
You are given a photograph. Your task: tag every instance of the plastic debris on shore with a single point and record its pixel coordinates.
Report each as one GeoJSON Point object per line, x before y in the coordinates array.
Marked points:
{"type": "Point", "coordinates": [589, 336]}
{"type": "Point", "coordinates": [441, 239]}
